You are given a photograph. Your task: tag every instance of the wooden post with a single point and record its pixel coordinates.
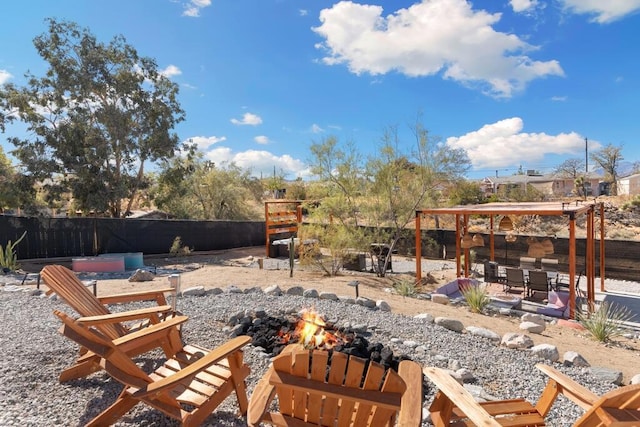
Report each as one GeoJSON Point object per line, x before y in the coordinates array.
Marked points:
{"type": "Point", "coordinates": [492, 256]}
{"type": "Point", "coordinates": [572, 265]}
{"type": "Point", "coordinates": [418, 247]}
{"type": "Point", "coordinates": [266, 223]}
{"type": "Point", "coordinates": [602, 262]}
{"type": "Point", "coordinates": [458, 271]}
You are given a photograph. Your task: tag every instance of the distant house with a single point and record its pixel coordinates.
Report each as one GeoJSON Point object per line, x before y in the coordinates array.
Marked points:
{"type": "Point", "coordinates": [629, 185]}
{"type": "Point", "coordinates": [551, 185]}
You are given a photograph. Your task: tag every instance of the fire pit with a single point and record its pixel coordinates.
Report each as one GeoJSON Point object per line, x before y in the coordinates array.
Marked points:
{"type": "Point", "coordinates": [312, 331]}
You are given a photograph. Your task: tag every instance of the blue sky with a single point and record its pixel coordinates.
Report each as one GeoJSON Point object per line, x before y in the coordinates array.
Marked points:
{"type": "Point", "coordinates": [517, 83]}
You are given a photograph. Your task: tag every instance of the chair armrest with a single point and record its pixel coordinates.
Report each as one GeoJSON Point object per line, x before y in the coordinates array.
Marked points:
{"type": "Point", "coordinates": [261, 397]}
{"type": "Point", "coordinates": [574, 391]}
{"type": "Point", "coordinates": [196, 367]}
{"type": "Point", "coordinates": [460, 397]}
{"type": "Point", "coordinates": [411, 404]}
{"type": "Point", "coordinates": [157, 334]}
{"type": "Point", "coordinates": [137, 296]}
{"type": "Point", "coordinates": [142, 313]}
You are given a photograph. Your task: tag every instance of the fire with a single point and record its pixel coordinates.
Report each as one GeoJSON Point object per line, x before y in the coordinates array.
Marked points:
{"type": "Point", "coordinates": [311, 332]}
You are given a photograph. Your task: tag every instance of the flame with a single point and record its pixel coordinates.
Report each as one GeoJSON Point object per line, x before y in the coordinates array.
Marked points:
{"type": "Point", "coordinates": [311, 332]}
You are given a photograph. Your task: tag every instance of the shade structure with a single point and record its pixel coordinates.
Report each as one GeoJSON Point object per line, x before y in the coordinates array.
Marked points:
{"type": "Point", "coordinates": [478, 240]}
{"type": "Point", "coordinates": [547, 246]}
{"type": "Point", "coordinates": [505, 224]}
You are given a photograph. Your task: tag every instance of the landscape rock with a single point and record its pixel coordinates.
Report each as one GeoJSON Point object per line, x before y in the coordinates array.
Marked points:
{"type": "Point", "coordinates": [531, 327]}
{"type": "Point", "coordinates": [197, 291]}
{"type": "Point", "coordinates": [516, 341]}
{"type": "Point", "coordinates": [448, 323]}
{"type": "Point", "coordinates": [428, 318]}
{"type": "Point", "coordinates": [382, 305]}
{"type": "Point", "coordinates": [328, 295]}
{"type": "Point", "coordinates": [273, 290]}
{"type": "Point", "coordinates": [482, 332]}
{"type": "Point", "coordinates": [142, 276]}
{"type": "Point", "coordinates": [635, 379]}
{"type": "Point", "coordinates": [572, 358]}
{"type": "Point", "coordinates": [296, 291]}
{"type": "Point", "coordinates": [366, 302]}
{"type": "Point", "coordinates": [310, 293]}
{"type": "Point", "coordinates": [233, 289]}
{"type": "Point", "coordinates": [546, 351]}
{"type": "Point", "coordinates": [532, 317]}
{"type": "Point", "coordinates": [440, 299]}
{"type": "Point", "coordinates": [607, 375]}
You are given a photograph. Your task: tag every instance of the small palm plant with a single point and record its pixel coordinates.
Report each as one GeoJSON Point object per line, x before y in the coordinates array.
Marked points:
{"type": "Point", "coordinates": [605, 323]}
{"type": "Point", "coordinates": [405, 287]}
{"type": "Point", "coordinates": [476, 297]}
{"type": "Point", "coordinates": [8, 256]}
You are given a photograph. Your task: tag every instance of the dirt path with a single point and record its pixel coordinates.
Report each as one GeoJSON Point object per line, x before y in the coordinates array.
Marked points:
{"type": "Point", "coordinates": [225, 268]}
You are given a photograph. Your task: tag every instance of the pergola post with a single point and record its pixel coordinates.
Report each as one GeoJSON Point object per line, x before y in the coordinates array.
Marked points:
{"type": "Point", "coordinates": [572, 265]}
{"type": "Point", "coordinates": [418, 247]}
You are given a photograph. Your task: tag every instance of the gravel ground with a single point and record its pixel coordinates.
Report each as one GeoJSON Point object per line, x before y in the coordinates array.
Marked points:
{"type": "Point", "coordinates": [34, 354]}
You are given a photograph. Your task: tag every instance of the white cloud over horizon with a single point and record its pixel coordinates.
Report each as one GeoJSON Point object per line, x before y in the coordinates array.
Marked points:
{"type": "Point", "coordinates": [503, 144]}
{"type": "Point", "coordinates": [431, 37]}
{"type": "Point", "coordinates": [5, 76]}
{"type": "Point", "coordinates": [247, 119]}
{"type": "Point", "coordinates": [260, 162]}
{"type": "Point", "coordinates": [171, 71]}
{"type": "Point", "coordinates": [603, 12]}
{"type": "Point", "coordinates": [519, 6]}
{"type": "Point", "coordinates": [261, 139]}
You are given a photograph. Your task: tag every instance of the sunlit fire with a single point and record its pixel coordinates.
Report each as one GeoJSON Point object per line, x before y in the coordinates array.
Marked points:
{"type": "Point", "coordinates": [311, 332]}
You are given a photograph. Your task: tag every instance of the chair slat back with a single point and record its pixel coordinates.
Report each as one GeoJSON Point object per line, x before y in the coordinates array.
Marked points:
{"type": "Point", "coordinates": [67, 286]}
{"type": "Point", "coordinates": [515, 277]}
{"type": "Point", "coordinates": [344, 392]}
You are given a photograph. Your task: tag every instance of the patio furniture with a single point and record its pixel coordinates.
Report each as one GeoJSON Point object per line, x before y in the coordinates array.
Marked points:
{"type": "Point", "coordinates": [315, 391]}
{"type": "Point", "coordinates": [527, 263]}
{"type": "Point", "coordinates": [188, 386]}
{"type": "Point", "coordinates": [549, 264]}
{"type": "Point", "coordinates": [454, 405]}
{"type": "Point", "coordinates": [67, 286]}
{"type": "Point", "coordinates": [514, 279]}
{"type": "Point", "coordinates": [557, 305]}
{"type": "Point", "coordinates": [538, 282]}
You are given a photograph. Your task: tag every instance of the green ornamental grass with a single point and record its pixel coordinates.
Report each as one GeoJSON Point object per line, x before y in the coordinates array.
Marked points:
{"type": "Point", "coordinates": [477, 298]}
{"type": "Point", "coordinates": [605, 323]}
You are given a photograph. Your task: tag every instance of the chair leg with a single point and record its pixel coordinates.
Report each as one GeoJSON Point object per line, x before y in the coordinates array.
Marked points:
{"type": "Point", "coordinates": [113, 413]}
{"type": "Point", "coordinates": [80, 369]}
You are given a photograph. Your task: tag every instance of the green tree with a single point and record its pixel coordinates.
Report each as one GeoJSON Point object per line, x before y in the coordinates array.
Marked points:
{"type": "Point", "coordinates": [198, 189]}
{"type": "Point", "coordinates": [465, 192]}
{"type": "Point", "coordinates": [574, 169]}
{"type": "Point", "coordinates": [609, 158]}
{"type": "Point", "coordinates": [385, 191]}
{"type": "Point", "coordinates": [99, 115]}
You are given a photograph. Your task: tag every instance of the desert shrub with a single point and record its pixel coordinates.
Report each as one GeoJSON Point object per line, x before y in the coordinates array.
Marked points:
{"type": "Point", "coordinates": [338, 241]}
{"type": "Point", "coordinates": [476, 297]}
{"type": "Point", "coordinates": [8, 256]}
{"type": "Point", "coordinates": [179, 249]}
{"type": "Point", "coordinates": [405, 287]}
{"type": "Point", "coordinates": [605, 323]}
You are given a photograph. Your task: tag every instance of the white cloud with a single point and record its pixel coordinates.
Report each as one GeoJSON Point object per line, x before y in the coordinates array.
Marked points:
{"type": "Point", "coordinates": [559, 98]}
{"type": "Point", "coordinates": [204, 142]}
{"type": "Point", "coordinates": [520, 6]}
{"type": "Point", "coordinates": [248, 119]}
{"type": "Point", "coordinates": [316, 128]}
{"type": "Point", "coordinates": [4, 76]}
{"type": "Point", "coordinates": [431, 37]}
{"type": "Point", "coordinates": [261, 139]}
{"type": "Point", "coordinates": [260, 162]}
{"type": "Point", "coordinates": [303, 12]}
{"type": "Point", "coordinates": [603, 12]}
{"type": "Point", "coordinates": [192, 8]}
{"type": "Point", "coordinates": [171, 71]}
{"type": "Point", "coordinates": [503, 144]}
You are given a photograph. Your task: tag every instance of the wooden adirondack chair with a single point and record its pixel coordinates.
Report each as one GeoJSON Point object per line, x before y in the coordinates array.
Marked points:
{"type": "Point", "coordinates": [454, 405]}
{"type": "Point", "coordinates": [187, 387]}
{"type": "Point", "coordinates": [312, 392]}
{"type": "Point", "coordinates": [67, 286]}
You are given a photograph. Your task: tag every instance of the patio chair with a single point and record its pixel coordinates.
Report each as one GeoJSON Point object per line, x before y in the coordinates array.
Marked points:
{"type": "Point", "coordinates": [514, 279]}
{"type": "Point", "coordinates": [313, 391]}
{"type": "Point", "coordinates": [453, 404]}
{"type": "Point", "coordinates": [67, 286]}
{"type": "Point", "coordinates": [187, 387]}
{"type": "Point", "coordinates": [538, 282]}
{"type": "Point", "coordinates": [549, 264]}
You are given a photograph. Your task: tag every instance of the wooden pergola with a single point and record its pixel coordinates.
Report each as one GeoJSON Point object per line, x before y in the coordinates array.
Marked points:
{"type": "Point", "coordinates": [572, 211]}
